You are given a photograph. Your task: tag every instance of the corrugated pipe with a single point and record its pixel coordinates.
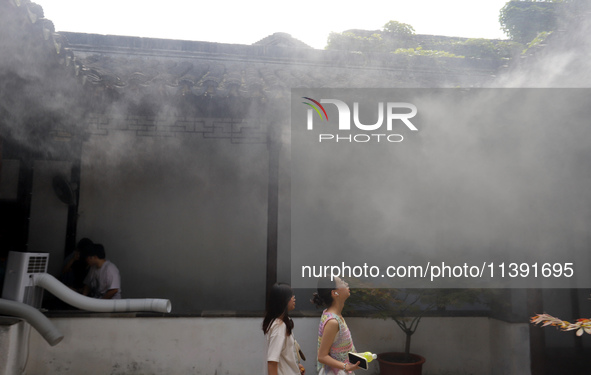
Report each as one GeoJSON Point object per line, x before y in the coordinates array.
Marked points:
{"type": "Point", "coordinates": [34, 317]}
{"type": "Point", "coordinates": [55, 287]}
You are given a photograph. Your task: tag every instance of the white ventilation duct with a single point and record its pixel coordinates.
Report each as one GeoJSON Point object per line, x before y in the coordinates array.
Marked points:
{"type": "Point", "coordinates": [34, 317]}
{"type": "Point", "coordinates": [22, 299]}
{"type": "Point", "coordinates": [53, 285]}
{"type": "Point", "coordinates": [26, 278]}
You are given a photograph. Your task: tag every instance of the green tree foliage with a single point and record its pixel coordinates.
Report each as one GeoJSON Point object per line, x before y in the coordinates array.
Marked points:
{"type": "Point", "coordinates": [419, 51]}
{"type": "Point", "coordinates": [484, 48]}
{"type": "Point", "coordinates": [400, 38]}
{"type": "Point", "coordinates": [523, 20]}
{"type": "Point", "coordinates": [399, 29]}
{"type": "Point", "coordinates": [393, 35]}
{"type": "Point", "coordinates": [538, 40]}
{"type": "Point", "coordinates": [349, 41]}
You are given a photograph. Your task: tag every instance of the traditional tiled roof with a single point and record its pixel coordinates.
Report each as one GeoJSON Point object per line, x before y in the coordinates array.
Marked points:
{"type": "Point", "coordinates": [259, 70]}
{"type": "Point", "coordinates": [270, 67]}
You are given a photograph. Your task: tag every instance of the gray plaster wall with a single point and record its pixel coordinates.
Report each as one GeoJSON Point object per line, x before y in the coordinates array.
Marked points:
{"type": "Point", "coordinates": [12, 331]}
{"type": "Point", "coordinates": [120, 345]}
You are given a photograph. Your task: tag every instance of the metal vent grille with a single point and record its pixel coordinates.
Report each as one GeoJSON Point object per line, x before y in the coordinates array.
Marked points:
{"type": "Point", "coordinates": [37, 265]}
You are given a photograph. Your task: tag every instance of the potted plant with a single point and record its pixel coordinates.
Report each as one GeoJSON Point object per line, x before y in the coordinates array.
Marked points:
{"type": "Point", "coordinates": [407, 307]}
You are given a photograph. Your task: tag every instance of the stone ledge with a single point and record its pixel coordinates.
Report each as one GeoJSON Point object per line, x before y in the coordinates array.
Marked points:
{"type": "Point", "coordinates": [248, 314]}
{"type": "Point", "coordinates": [9, 320]}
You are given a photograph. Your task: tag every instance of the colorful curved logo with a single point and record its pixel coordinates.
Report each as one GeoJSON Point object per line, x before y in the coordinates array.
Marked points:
{"type": "Point", "coordinates": [317, 109]}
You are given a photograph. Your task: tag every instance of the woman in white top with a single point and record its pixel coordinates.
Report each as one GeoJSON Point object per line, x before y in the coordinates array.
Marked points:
{"type": "Point", "coordinates": [282, 353]}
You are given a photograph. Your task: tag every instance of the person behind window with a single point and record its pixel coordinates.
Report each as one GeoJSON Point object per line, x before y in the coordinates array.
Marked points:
{"type": "Point", "coordinates": [75, 266]}
{"type": "Point", "coordinates": [103, 280]}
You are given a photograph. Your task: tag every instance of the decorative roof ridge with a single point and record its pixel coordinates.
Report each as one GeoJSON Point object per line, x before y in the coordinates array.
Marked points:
{"type": "Point", "coordinates": [187, 48]}
{"type": "Point", "coordinates": [282, 39]}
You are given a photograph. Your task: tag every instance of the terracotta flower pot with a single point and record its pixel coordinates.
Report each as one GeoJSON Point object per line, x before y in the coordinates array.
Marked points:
{"type": "Point", "coordinates": [389, 366]}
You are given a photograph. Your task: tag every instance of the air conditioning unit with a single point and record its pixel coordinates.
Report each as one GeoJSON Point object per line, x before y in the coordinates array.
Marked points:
{"type": "Point", "coordinates": [18, 284]}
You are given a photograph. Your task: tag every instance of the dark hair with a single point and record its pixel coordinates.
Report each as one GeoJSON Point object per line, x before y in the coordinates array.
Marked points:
{"type": "Point", "coordinates": [277, 306]}
{"type": "Point", "coordinates": [323, 298]}
{"type": "Point", "coordinates": [84, 244]}
{"type": "Point", "coordinates": [97, 250]}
